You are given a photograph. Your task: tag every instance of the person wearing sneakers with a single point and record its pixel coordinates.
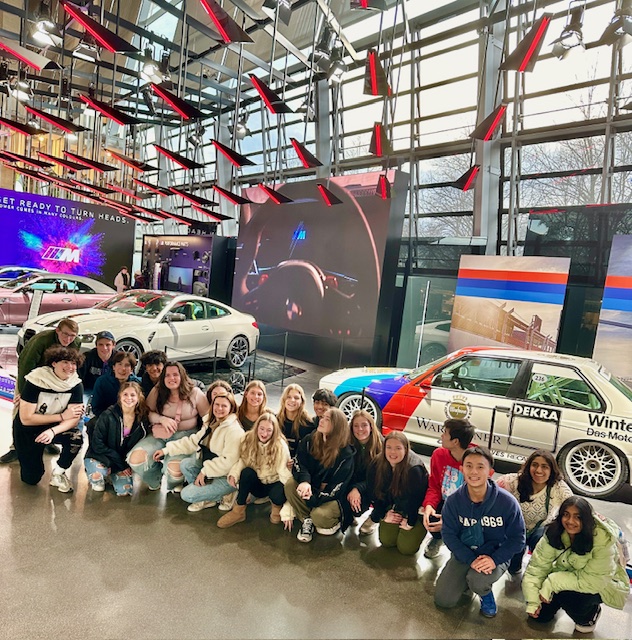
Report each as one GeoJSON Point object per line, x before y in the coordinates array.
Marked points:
{"type": "Point", "coordinates": [367, 442]}
{"type": "Point", "coordinates": [261, 470]}
{"type": "Point", "coordinates": [483, 527]}
{"type": "Point", "coordinates": [116, 432]}
{"type": "Point", "coordinates": [51, 406]}
{"type": "Point", "coordinates": [445, 477]}
{"type": "Point", "coordinates": [398, 480]}
{"type": "Point", "coordinates": [540, 489]}
{"type": "Point", "coordinates": [576, 567]}
{"type": "Point", "coordinates": [211, 454]}
{"type": "Point", "coordinates": [322, 470]}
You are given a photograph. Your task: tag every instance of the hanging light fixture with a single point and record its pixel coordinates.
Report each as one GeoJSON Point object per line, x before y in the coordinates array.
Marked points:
{"type": "Point", "coordinates": [337, 66]}
{"type": "Point", "coordinates": [571, 35]}
{"type": "Point", "coordinates": [283, 8]}
{"type": "Point", "coordinates": [620, 28]}
{"type": "Point", "coordinates": [197, 138]}
{"type": "Point", "coordinates": [45, 31]}
{"type": "Point", "coordinates": [240, 128]}
{"type": "Point", "coordinates": [321, 57]}
{"type": "Point", "coordinates": [20, 87]}
{"type": "Point", "coordinates": [87, 49]}
{"type": "Point", "coordinates": [150, 70]}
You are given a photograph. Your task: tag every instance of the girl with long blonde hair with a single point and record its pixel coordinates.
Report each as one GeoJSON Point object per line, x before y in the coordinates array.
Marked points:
{"type": "Point", "coordinates": [293, 417]}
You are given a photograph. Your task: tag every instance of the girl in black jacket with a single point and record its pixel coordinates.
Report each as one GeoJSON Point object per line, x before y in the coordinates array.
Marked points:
{"type": "Point", "coordinates": [117, 431]}
{"type": "Point", "coordinates": [321, 473]}
{"type": "Point", "coordinates": [398, 480]}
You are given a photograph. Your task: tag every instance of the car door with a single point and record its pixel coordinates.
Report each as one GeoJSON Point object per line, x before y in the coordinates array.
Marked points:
{"type": "Point", "coordinates": [59, 294]}
{"type": "Point", "coordinates": [470, 388]}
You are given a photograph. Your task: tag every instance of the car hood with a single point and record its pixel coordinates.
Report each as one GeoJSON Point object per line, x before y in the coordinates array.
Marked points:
{"type": "Point", "coordinates": [93, 321]}
{"type": "Point", "coordinates": [357, 378]}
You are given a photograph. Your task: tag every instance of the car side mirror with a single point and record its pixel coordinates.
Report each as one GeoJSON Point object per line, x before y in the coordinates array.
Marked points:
{"type": "Point", "coordinates": [175, 317]}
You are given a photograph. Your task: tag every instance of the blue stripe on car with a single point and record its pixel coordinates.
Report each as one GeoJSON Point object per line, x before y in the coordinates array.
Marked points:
{"type": "Point", "coordinates": [381, 387]}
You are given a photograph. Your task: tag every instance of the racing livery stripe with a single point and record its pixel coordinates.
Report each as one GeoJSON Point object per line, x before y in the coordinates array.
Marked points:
{"type": "Point", "coordinates": [400, 409]}
{"type": "Point", "coordinates": [381, 387]}
{"type": "Point", "coordinates": [505, 294]}
{"type": "Point", "coordinates": [550, 277]}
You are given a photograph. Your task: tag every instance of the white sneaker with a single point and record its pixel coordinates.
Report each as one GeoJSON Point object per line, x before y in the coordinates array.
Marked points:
{"type": "Point", "coordinates": [198, 506]}
{"type": "Point", "coordinates": [97, 485]}
{"type": "Point", "coordinates": [178, 488]}
{"type": "Point", "coordinates": [368, 527]}
{"type": "Point", "coordinates": [328, 532]}
{"type": "Point", "coordinates": [60, 480]}
{"type": "Point", "coordinates": [434, 548]}
{"type": "Point", "coordinates": [306, 532]}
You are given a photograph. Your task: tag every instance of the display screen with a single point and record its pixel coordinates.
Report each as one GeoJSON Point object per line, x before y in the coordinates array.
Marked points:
{"type": "Point", "coordinates": [180, 279]}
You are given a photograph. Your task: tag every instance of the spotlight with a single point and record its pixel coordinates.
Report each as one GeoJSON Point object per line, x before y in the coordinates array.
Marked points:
{"type": "Point", "coordinates": [20, 88]}
{"type": "Point", "coordinates": [620, 27]}
{"type": "Point", "coordinates": [571, 35]}
{"type": "Point", "coordinates": [45, 31]}
{"type": "Point", "coordinates": [321, 56]}
{"type": "Point", "coordinates": [87, 49]}
{"type": "Point", "coordinates": [165, 75]}
{"type": "Point", "coordinates": [337, 67]}
{"type": "Point", "coordinates": [150, 70]}
{"type": "Point", "coordinates": [197, 138]}
{"type": "Point", "coordinates": [240, 129]}
{"type": "Point", "coordinates": [284, 8]}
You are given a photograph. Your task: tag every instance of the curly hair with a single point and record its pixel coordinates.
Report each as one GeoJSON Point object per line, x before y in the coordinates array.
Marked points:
{"type": "Point", "coordinates": [57, 353]}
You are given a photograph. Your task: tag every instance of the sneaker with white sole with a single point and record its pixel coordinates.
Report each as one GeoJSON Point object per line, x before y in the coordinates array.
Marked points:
{"type": "Point", "coordinates": [306, 532]}
{"type": "Point", "coordinates": [97, 485]}
{"type": "Point", "coordinates": [60, 480]}
{"type": "Point", "coordinates": [434, 548]}
{"type": "Point", "coordinates": [330, 531]}
{"type": "Point", "coordinates": [589, 626]}
{"type": "Point", "coordinates": [368, 527]}
{"type": "Point", "coordinates": [177, 489]}
{"type": "Point", "coordinates": [204, 504]}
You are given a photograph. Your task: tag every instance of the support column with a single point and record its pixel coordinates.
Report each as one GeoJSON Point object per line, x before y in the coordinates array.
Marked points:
{"type": "Point", "coordinates": [323, 128]}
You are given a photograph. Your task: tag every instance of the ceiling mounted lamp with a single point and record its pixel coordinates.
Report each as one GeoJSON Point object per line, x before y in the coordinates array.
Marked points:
{"type": "Point", "coordinates": [87, 49]}
{"type": "Point", "coordinates": [620, 28]}
{"type": "Point", "coordinates": [229, 30]}
{"type": "Point", "coordinates": [91, 164]}
{"type": "Point", "coordinates": [375, 81]}
{"type": "Point", "coordinates": [180, 106]}
{"type": "Point", "coordinates": [196, 139]}
{"type": "Point", "coordinates": [308, 160]}
{"type": "Point", "coordinates": [20, 87]}
{"type": "Point", "coordinates": [486, 130]}
{"type": "Point", "coordinates": [468, 179]}
{"type": "Point", "coordinates": [164, 69]}
{"type": "Point", "coordinates": [180, 160]}
{"type": "Point", "coordinates": [231, 197]}
{"type": "Point", "coordinates": [120, 117]}
{"type": "Point", "coordinates": [217, 217]}
{"type": "Point", "coordinates": [329, 198]}
{"type": "Point", "coordinates": [106, 38]}
{"type": "Point", "coordinates": [101, 190]}
{"type": "Point", "coordinates": [40, 164]}
{"type": "Point", "coordinates": [282, 7]}
{"type": "Point", "coordinates": [57, 122]}
{"type": "Point", "coordinates": [30, 58]}
{"type": "Point", "coordinates": [274, 195]}
{"type": "Point", "coordinates": [20, 127]}
{"type": "Point", "coordinates": [45, 31]}
{"type": "Point", "coordinates": [572, 35]}
{"type": "Point", "coordinates": [377, 5]}
{"type": "Point", "coordinates": [62, 162]}
{"type": "Point", "coordinates": [321, 57]}
{"type": "Point", "coordinates": [525, 55]}
{"type": "Point", "coordinates": [150, 69]}
{"type": "Point", "coordinates": [271, 99]}
{"type": "Point", "coordinates": [383, 189]}
{"type": "Point", "coordinates": [240, 129]}
{"type": "Point", "coordinates": [193, 199]}
{"type": "Point", "coordinates": [337, 67]}
{"type": "Point", "coordinates": [232, 156]}
{"type": "Point", "coordinates": [150, 187]}
{"type": "Point", "coordinates": [135, 165]}
{"type": "Point", "coordinates": [380, 145]}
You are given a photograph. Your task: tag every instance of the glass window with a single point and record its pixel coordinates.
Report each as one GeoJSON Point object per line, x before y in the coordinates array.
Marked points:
{"type": "Point", "coordinates": [491, 376]}
{"type": "Point", "coordinates": [561, 386]}
{"type": "Point", "coordinates": [214, 311]}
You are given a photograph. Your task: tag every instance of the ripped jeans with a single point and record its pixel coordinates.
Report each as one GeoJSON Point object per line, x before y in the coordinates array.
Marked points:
{"type": "Point", "coordinates": [151, 471]}
{"type": "Point", "coordinates": [122, 484]}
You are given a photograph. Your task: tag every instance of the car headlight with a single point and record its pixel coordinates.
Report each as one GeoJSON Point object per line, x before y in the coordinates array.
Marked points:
{"type": "Point", "coordinates": [87, 337]}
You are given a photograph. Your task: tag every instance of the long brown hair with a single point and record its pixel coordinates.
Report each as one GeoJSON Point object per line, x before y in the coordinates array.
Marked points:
{"type": "Point", "coordinates": [140, 410]}
{"type": "Point", "coordinates": [241, 412]}
{"type": "Point", "coordinates": [302, 417]}
{"type": "Point", "coordinates": [184, 390]}
{"type": "Point", "coordinates": [213, 422]}
{"type": "Point", "coordinates": [326, 450]}
{"type": "Point", "coordinates": [374, 443]}
{"type": "Point", "coordinates": [525, 481]}
{"type": "Point", "coordinates": [250, 451]}
{"type": "Point", "coordinates": [387, 479]}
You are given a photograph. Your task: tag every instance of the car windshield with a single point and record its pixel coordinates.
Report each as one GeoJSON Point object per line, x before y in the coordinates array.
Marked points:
{"type": "Point", "coordinates": [16, 282]}
{"type": "Point", "coordinates": [415, 373]}
{"type": "Point", "coordinates": [615, 382]}
{"type": "Point", "coordinates": [147, 304]}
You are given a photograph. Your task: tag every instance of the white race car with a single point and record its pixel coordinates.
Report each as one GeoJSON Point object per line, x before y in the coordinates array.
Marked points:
{"type": "Point", "coordinates": [186, 327]}
{"type": "Point", "coordinates": [517, 400]}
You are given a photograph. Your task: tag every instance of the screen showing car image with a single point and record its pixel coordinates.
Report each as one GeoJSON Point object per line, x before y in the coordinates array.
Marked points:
{"type": "Point", "coordinates": [180, 279]}
{"type": "Point", "coordinates": [312, 268]}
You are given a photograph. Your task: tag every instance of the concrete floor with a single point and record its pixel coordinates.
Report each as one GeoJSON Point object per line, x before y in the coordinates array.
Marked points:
{"type": "Point", "coordinates": [89, 565]}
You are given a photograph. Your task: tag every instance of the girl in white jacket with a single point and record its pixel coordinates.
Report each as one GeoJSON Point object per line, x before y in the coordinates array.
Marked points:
{"type": "Point", "coordinates": [213, 450]}
{"type": "Point", "coordinates": [262, 470]}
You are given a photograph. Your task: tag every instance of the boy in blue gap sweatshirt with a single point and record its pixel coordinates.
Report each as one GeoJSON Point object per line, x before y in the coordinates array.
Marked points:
{"type": "Point", "coordinates": [483, 528]}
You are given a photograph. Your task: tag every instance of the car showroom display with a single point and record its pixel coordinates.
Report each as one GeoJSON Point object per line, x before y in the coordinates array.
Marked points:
{"type": "Point", "coordinates": [60, 292]}
{"type": "Point", "coordinates": [186, 327]}
{"type": "Point", "coordinates": [9, 272]}
{"type": "Point", "coordinates": [517, 400]}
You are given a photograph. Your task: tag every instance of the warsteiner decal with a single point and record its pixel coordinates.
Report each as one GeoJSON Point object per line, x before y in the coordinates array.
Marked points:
{"type": "Point", "coordinates": [458, 409]}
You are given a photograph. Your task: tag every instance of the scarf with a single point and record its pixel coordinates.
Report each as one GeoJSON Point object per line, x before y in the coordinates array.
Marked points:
{"type": "Point", "coordinates": [45, 378]}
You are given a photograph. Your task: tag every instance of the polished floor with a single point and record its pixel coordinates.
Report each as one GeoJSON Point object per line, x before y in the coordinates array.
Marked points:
{"type": "Point", "coordinates": [92, 565]}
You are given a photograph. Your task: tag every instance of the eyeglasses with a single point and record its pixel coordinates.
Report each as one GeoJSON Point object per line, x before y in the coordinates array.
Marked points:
{"type": "Point", "coordinates": [68, 335]}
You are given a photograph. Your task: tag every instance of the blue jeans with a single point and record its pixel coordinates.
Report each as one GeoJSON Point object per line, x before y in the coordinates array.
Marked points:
{"type": "Point", "coordinates": [151, 471]}
{"type": "Point", "coordinates": [212, 492]}
{"type": "Point", "coordinates": [122, 484]}
{"type": "Point", "coordinates": [533, 538]}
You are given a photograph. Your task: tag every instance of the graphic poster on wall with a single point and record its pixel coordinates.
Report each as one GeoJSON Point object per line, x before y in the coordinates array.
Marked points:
{"type": "Point", "coordinates": [311, 262]}
{"type": "Point", "coordinates": [509, 301]}
{"type": "Point", "coordinates": [64, 236]}
{"type": "Point", "coordinates": [614, 331]}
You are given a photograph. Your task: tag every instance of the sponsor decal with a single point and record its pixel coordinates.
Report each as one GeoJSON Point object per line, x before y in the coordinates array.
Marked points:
{"type": "Point", "coordinates": [537, 412]}
{"type": "Point", "coordinates": [616, 429]}
{"type": "Point", "coordinates": [458, 409]}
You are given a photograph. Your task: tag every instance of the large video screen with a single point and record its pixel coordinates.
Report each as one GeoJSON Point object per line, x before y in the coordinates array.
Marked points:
{"type": "Point", "coordinates": [312, 268]}
{"type": "Point", "coordinates": [64, 236]}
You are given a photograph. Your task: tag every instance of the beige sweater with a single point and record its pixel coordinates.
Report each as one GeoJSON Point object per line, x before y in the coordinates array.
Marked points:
{"type": "Point", "coordinates": [268, 473]}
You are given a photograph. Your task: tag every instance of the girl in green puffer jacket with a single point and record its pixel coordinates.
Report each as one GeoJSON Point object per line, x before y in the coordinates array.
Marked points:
{"type": "Point", "coordinates": [576, 567]}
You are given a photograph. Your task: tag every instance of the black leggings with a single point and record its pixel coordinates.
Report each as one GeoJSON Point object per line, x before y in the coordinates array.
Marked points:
{"type": "Point", "coordinates": [581, 607]}
{"type": "Point", "coordinates": [249, 483]}
{"type": "Point", "coordinates": [31, 453]}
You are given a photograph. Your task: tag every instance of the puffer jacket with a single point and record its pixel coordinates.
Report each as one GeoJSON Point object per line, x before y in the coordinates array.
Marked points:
{"type": "Point", "coordinates": [223, 443]}
{"type": "Point", "coordinates": [553, 570]}
{"type": "Point", "coordinates": [268, 473]}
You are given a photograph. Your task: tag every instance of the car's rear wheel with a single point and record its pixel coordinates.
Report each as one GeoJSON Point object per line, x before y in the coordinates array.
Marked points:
{"type": "Point", "coordinates": [350, 402]}
{"type": "Point", "coordinates": [593, 469]}
{"type": "Point", "coordinates": [237, 352]}
{"type": "Point", "coordinates": [130, 346]}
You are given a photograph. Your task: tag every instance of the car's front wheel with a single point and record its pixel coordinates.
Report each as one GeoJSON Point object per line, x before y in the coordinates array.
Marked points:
{"type": "Point", "coordinates": [237, 352]}
{"type": "Point", "coordinates": [348, 403]}
{"type": "Point", "coordinates": [593, 469]}
{"type": "Point", "coordinates": [130, 346]}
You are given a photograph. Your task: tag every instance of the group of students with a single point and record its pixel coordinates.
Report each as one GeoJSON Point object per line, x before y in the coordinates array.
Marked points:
{"type": "Point", "coordinates": [327, 472]}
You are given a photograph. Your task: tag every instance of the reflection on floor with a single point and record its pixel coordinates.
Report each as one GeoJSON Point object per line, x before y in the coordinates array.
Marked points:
{"type": "Point", "coordinates": [92, 565]}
